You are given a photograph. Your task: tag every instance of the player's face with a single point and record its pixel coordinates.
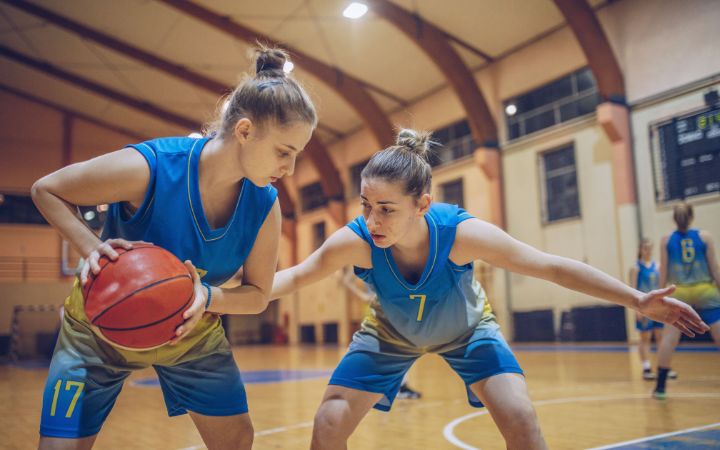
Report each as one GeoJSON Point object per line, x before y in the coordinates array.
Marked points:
{"type": "Point", "coordinates": [389, 213]}
{"type": "Point", "coordinates": [645, 251]}
{"type": "Point", "coordinates": [269, 152]}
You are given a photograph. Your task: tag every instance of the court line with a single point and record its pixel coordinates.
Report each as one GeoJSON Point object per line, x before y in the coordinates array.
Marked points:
{"type": "Point", "coordinates": [657, 436]}
{"type": "Point", "coordinates": [448, 431]}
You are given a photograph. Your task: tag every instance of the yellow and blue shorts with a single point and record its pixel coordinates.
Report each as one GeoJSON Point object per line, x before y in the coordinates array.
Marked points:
{"type": "Point", "coordinates": [86, 375]}
{"type": "Point", "coordinates": [704, 297]}
{"type": "Point", "coordinates": [646, 324]}
{"type": "Point", "coordinates": [373, 364]}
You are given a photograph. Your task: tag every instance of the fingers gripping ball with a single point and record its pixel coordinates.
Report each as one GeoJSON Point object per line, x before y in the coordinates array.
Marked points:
{"type": "Point", "coordinates": [137, 301]}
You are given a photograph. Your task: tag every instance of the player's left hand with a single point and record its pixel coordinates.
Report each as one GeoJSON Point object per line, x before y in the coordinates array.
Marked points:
{"type": "Point", "coordinates": [659, 307]}
{"type": "Point", "coordinates": [194, 313]}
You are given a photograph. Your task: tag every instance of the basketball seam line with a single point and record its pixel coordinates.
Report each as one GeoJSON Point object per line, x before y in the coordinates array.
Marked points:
{"type": "Point", "coordinates": [94, 277]}
{"type": "Point", "coordinates": [135, 292]}
{"type": "Point", "coordinates": [153, 323]}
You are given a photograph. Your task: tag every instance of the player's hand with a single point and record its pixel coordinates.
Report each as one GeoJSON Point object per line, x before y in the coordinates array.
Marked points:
{"type": "Point", "coordinates": [92, 262]}
{"type": "Point", "coordinates": [660, 308]}
{"type": "Point", "coordinates": [194, 313]}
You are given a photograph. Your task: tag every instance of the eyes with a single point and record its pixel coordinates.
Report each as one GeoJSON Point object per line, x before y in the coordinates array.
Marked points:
{"type": "Point", "coordinates": [283, 153]}
{"type": "Point", "coordinates": [383, 209]}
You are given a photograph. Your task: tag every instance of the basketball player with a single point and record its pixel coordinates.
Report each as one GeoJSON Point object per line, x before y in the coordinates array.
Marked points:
{"type": "Point", "coordinates": [418, 256]}
{"type": "Point", "coordinates": [208, 201]}
{"type": "Point", "coordinates": [688, 261]}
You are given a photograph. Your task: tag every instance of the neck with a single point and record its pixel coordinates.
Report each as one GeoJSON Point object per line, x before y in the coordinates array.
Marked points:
{"type": "Point", "coordinates": [417, 237]}
{"type": "Point", "coordinates": [218, 164]}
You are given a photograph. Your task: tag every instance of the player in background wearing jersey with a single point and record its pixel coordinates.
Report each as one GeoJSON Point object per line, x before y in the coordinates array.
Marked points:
{"type": "Point", "coordinates": [688, 261]}
{"type": "Point", "coordinates": [208, 201]}
{"type": "Point", "coordinates": [417, 256]}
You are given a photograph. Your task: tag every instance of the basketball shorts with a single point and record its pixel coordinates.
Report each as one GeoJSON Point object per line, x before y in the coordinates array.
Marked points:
{"type": "Point", "coordinates": [646, 324]}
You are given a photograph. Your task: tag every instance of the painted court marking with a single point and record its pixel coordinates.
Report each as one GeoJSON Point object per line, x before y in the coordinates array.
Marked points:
{"type": "Point", "coordinates": [657, 436]}
{"type": "Point", "coordinates": [449, 430]}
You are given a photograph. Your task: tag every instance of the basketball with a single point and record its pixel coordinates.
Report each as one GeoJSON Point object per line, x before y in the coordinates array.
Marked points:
{"type": "Point", "coordinates": [137, 301]}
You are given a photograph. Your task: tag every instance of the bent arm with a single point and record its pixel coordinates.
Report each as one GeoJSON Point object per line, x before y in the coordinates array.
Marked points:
{"type": "Point", "coordinates": [253, 295]}
{"type": "Point", "coordinates": [115, 177]}
{"type": "Point", "coordinates": [480, 240]}
{"type": "Point", "coordinates": [342, 248]}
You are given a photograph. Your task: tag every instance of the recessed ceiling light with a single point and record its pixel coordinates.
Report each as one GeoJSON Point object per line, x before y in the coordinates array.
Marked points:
{"type": "Point", "coordinates": [355, 10]}
{"type": "Point", "coordinates": [510, 109]}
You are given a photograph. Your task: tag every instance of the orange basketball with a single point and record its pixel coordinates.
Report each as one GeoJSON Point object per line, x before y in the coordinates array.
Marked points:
{"type": "Point", "coordinates": [137, 301]}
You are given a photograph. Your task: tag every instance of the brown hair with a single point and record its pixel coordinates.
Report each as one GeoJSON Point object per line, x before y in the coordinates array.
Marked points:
{"type": "Point", "coordinates": [682, 215]}
{"type": "Point", "coordinates": [268, 96]}
{"type": "Point", "coordinates": [406, 161]}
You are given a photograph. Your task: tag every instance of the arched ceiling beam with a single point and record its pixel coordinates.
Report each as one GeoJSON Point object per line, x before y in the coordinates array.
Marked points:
{"type": "Point", "coordinates": [348, 87]}
{"type": "Point", "coordinates": [594, 43]}
{"type": "Point", "coordinates": [434, 43]}
{"type": "Point", "coordinates": [143, 106]}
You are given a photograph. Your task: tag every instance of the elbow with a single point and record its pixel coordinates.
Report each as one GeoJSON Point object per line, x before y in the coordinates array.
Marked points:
{"type": "Point", "coordinates": [38, 188]}
{"type": "Point", "coordinates": [263, 302]}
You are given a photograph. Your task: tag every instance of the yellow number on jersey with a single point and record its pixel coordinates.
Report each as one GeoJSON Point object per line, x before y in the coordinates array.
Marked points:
{"type": "Point", "coordinates": [68, 385]}
{"type": "Point", "coordinates": [688, 251]}
{"type": "Point", "coordinates": [422, 304]}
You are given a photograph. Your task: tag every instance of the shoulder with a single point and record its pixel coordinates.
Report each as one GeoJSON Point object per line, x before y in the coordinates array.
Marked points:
{"type": "Point", "coordinates": [170, 144]}
{"type": "Point", "coordinates": [447, 215]}
{"type": "Point", "coordinates": [705, 236]}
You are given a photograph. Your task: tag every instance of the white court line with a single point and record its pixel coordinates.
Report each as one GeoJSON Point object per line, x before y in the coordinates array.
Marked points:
{"type": "Point", "coordinates": [448, 431]}
{"type": "Point", "coordinates": [657, 436]}
{"type": "Point", "coordinates": [262, 433]}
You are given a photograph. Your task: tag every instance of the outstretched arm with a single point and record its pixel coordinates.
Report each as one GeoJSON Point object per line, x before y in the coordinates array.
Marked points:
{"type": "Point", "coordinates": [342, 248]}
{"type": "Point", "coordinates": [480, 240]}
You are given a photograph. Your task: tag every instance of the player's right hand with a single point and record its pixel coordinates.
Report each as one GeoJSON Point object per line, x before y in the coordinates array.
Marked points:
{"type": "Point", "coordinates": [92, 261]}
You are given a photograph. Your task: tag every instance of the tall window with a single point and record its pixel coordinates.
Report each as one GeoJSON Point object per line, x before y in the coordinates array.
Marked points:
{"type": "Point", "coordinates": [355, 171]}
{"type": "Point", "coordinates": [452, 192]}
{"type": "Point", "coordinates": [559, 188]}
{"type": "Point", "coordinates": [318, 234]}
{"type": "Point", "coordinates": [571, 96]}
{"type": "Point", "coordinates": [312, 196]}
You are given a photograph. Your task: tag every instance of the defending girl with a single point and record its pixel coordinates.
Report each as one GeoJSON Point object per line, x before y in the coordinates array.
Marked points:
{"type": "Point", "coordinates": [688, 260]}
{"type": "Point", "coordinates": [418, 256]}
{"type": "Point", "coordinates": [209, 202]}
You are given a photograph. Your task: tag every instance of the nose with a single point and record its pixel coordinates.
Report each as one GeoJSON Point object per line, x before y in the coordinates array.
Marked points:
{"type": "Point", "coordinates": [371, 222]}
{"type": "Point", "coordinates": [290, 168]}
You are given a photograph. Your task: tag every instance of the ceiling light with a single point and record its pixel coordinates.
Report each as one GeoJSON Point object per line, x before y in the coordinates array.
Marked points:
{"type": "Point", "coordinates": [355, 10]}
{"type": "Point", "coordinates": [89, 215]}
{"type": "Point", "coordinates": [288, 67]}
{"type": "Point", "coordinates": [510, 109]}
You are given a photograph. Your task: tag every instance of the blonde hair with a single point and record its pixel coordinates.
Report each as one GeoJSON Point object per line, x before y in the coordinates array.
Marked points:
{"type": "Point", "coordinates": [683, 215]}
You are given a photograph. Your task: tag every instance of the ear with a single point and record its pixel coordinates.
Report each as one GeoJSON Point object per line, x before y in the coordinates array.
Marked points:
{"type": "Point", "coordinates": [423, 204]}
{"type": "Point", "coordinates": [242, 130]}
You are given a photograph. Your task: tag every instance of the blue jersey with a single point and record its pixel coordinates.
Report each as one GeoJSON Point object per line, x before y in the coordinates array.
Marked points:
{"type": "Point", "coordinates": [686, 259]}
{"type": "Point", "coordinates": [647, 277]}
{"type": "Point", "coordinates": [172, 216]}
{"type": "Point", "coordinates": [444, 304]}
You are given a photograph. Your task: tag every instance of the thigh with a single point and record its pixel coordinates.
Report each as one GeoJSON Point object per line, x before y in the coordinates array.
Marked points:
{"type": "Point", "coordinates": [80, 390]}
{"type": "Point", "coordinates": [505, 396]}
{"type": "Point", "coordinates": [224, 432]}
{"type": "Point", "coordinates": [480, 359]}
{"type": "Point", "coordinates": [53, 443]}
{"type": "Point", "coordinates": [372, 372]}
{"type": "Point", "coordinates": [208, 386]}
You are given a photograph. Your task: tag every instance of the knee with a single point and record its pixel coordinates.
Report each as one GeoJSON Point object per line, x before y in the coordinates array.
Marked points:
{"type": "Point", "coordinates": [522, 420]}
{"type": "Point", "coordinates": [244, 435]}
{"type": "Point", "coordinates": [326, 424]}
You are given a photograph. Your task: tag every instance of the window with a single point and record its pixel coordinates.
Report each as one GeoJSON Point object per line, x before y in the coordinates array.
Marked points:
{"type": "Point", "coordinates": [559, 188]}
{"type": "Point", "coordinates": [686, 155]}
{"type": "Point", "coordinates": [452, 192]}
{"type": "Point", "coordinates": [355, 178]}
{"type": "Point", "coordinates": [572, 96]}
{"type": "Point", "coordinates": [455, 142]}
{"type": "Point", "coordinates": [312, 196]}
{"type": "Point", "coordinates": [19, 209]}
{"type": "Point", "coordinates": [318, 234]}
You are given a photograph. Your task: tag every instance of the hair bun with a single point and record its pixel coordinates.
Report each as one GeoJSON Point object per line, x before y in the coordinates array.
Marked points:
{"type": "Point", "coordinates": [417, 142]}
{"type": "Point", "coordinates": [270, 61]}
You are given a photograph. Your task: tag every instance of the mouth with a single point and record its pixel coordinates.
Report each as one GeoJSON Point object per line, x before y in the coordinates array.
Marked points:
{"type": "Point", "coordinates": [274, 179]}
{"type": "Point", "coordinates": [377, 237]}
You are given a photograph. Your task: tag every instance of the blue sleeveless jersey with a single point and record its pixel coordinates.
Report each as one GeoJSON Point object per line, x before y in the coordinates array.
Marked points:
{"type": "Point", "coordinates": [444, 304]}
{"type": "Point", "coordinates": [686, 259]}
{"type": "Point", "coordinates": [647, 277]}
{"type": "Point", "coordinates": [171, 215]}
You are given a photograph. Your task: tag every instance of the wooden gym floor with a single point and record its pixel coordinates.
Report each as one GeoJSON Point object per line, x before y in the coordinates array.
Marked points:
{"type": "Point", "coordinates": [585, 396]}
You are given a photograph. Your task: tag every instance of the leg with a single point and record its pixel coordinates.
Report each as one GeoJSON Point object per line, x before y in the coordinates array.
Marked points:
{"type": "Point", "coordinates": [670, 339]}
{"type": "Point", "coordinates": [225, 432]}
{"type": "Point", "coordinates": [339, 414]}
{"type": "Point", "coordinates": [506, 397]}
{"type": "Point", "coordinates": [53, 443]}
{"type": "Point", "coordinates": [644, 346]}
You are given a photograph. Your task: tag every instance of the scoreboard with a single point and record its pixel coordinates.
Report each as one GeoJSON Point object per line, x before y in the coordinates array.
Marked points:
{"type": "Point", "coordinates": [687, 155]}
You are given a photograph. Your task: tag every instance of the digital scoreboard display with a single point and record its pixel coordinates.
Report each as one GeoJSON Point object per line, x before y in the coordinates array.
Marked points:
{"type": "Point", "coordinates": [689, 155]}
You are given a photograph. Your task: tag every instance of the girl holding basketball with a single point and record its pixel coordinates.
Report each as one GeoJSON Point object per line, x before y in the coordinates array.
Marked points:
{"type": "Point", "coordinates": [417, 256]}
{"type": "Point", "coordinates": [209, 202]}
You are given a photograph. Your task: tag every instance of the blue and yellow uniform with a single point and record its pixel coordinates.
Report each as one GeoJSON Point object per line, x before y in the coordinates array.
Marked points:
{"type": "Point", "coordinates": [444, 312]}
{"type": "Point", "coordinates": [648, 279]}
{"type": "Point", "coordinates": [198, 373]}
{"type": "Point", "coordinates": [688, 270]}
